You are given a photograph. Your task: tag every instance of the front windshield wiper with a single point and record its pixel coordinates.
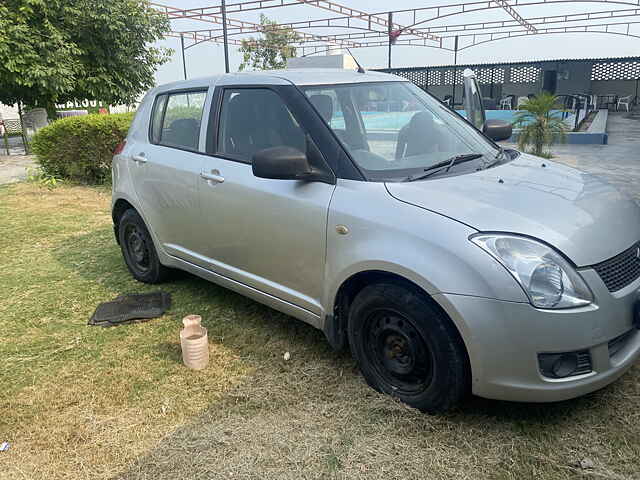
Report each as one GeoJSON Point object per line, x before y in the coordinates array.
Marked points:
{"type": "Point", "coordinates": [444, 165]}
{"type": "Point", "coordinates": [496, 159]}
{"type": "Point", "coordinates": [501, 156]}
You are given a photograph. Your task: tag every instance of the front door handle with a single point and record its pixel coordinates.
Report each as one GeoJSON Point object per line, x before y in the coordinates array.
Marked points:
{"type": "Point", "coordinates": [139, 158]}
{"type": "Point", "coordinates": [213, 176]}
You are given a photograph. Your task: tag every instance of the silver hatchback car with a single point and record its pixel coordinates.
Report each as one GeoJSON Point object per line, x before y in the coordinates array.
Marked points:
{"type": "Point", "coordinates": [362, 205]}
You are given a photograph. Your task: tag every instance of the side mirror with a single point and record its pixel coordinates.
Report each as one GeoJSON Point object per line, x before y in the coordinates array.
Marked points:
{"type": "Point", "coordinates": [497, 129]}
{"type": "Point", "coordinates": [281, 163]}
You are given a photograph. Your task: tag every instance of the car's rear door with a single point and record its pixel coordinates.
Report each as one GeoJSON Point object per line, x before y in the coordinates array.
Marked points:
{"type": "Point", "coordinates": [267, 234]}
{"type": "Point", "coordinates": [166, 169]}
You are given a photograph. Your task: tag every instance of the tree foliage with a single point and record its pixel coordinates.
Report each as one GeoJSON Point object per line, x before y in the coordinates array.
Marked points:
{"type": "Point", "coordinates": [540, 121]}
{"type": "Point", "coordinates": [54, 51]}
{"type": "Point", "coordinates": [271, 50]}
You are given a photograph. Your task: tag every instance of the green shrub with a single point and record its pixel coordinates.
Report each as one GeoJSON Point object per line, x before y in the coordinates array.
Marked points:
{"type": "Point", "coordinates": [80, 148]}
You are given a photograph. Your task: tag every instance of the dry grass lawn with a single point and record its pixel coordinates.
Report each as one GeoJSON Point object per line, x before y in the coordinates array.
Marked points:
{"type": "Point", "coordinates": [116, 403]}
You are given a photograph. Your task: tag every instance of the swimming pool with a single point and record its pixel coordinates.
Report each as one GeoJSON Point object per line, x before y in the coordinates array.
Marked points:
{"type": "Point", "coordinates": [381, 121]}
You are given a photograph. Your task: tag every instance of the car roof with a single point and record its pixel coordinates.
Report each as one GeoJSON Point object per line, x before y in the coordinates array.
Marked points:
{"type": "Point", "coordinates": [328, 76]}
{"type": "Point", "coordinates": [302, 77]}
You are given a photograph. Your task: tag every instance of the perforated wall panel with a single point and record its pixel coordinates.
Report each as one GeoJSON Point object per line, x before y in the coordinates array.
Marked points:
{"type": "Point", "coordinates": [527, 74]}
{"type": "Point", "coordinates": [449, 76]}
{"type": "Point", "coordinates": [435, 78]}
{"type": "Point", "coordinates": [615, 71]}
{"type": "Point", "coordinates": [486, 76]}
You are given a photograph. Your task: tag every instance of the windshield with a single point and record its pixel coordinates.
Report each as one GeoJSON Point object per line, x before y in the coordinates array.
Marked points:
{"type": "Point", "coordinates": [393, 130]}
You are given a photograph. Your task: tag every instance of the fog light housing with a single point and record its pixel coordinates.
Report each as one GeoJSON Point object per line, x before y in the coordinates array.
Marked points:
{"type": "Point", "coordinates": [563, 365]}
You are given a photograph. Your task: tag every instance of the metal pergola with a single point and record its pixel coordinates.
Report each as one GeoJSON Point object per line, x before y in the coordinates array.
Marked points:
{"type": "Point", "coordinates": [427, 26]}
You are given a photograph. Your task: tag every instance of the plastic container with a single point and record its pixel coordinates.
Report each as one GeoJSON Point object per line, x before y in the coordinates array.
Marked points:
{"type": "Point", "coordinates": [194, 343]}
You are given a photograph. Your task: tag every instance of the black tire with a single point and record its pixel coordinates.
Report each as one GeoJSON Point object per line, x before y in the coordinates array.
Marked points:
{"type": "Point", "coordinates": [406, 347]}
{"type": "Point", "coordinates": [138, 250]}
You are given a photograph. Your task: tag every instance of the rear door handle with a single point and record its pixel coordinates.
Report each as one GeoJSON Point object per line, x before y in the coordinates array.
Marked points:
{"type": "Point", "coordinates": [139, 158]}
{"type": "Point", "coordinates": [213, 176]}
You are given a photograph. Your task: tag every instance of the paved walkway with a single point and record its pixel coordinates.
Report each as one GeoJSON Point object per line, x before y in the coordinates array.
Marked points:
{"type": "Point", "coordinates": [14, 168]}
{"type": "Point", "coordinates": [618, 162]}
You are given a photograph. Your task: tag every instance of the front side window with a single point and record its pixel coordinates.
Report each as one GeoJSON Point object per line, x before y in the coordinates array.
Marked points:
{"type": "Point", "coordinates": [393, 130]}
{"type": "Point", "coordinates": [180, 120]}
{"type": "Point", "coordinates": [252, 119]}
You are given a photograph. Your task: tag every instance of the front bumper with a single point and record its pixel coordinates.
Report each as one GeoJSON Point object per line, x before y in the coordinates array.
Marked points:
{"type": "Point", "coordinates": [504, 339]}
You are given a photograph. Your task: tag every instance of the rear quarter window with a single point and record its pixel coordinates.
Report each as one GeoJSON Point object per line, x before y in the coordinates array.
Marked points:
{"type": "Point", "coordinates": [156, 118]}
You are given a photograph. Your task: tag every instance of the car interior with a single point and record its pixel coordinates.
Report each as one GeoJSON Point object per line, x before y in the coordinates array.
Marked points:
{"type": "Point", "coordinates": [253, 120]}
{"type": "Point", "coordinates": [183, 132]}
{"type": "Point", "coordinates": [411, 138]}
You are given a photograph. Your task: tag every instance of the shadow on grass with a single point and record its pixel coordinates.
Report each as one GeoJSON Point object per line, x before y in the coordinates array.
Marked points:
{"type": "Point", "coordinates": [97, 258]}
{"type": "Point", "coordinates": [317, 390]}
{"type": "Point", "coordinates": [170, 351]}
{"type": "Point", "coordinates": [316, 429]}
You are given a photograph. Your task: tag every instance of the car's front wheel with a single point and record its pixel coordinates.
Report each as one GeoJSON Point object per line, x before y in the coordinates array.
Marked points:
{"type": "Point", "coordinates": [406, 347]}
{"type": "Point", "coordinates": [138, 250]}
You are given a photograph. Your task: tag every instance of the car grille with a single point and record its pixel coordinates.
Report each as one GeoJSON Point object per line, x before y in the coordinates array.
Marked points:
{"type": "Point", "coordinates": [621, 270]}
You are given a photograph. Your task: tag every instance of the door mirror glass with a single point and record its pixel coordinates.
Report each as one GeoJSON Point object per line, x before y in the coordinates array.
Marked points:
{"type": "Point", "coordinates": [281, 163]}
{"type": "Point", "coordinates": [497, 129]}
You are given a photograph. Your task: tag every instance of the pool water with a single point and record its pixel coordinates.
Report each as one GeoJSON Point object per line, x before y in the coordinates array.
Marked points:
{"type": "Point", "coordinates": [380, 121]}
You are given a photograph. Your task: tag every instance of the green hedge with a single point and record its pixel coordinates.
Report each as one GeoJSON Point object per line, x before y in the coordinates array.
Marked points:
{"type": "Point", "coordinates": [80, 148]}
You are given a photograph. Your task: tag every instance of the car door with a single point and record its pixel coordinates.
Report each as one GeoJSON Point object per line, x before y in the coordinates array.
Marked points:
{"type": "Point", "coordinates": [267, 234]}
{"type": "Point", "coordinates": [166, 169]}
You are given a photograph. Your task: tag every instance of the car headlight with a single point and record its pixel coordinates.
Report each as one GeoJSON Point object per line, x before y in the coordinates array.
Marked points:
{"type": "Point", "coordinates": [546, 277]}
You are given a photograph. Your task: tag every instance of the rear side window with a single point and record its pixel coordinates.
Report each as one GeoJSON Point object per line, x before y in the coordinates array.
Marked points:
{"type": "Point", "coordinates": [176, 119]}
{"type": "Point", "coordinates": [253, 119]}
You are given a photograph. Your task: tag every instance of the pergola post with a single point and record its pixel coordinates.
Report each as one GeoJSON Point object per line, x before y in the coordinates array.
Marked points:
{"type": "Point", "coordinates": [225, 37]}
{"type": "Point", "coordinates": [184, 62]}
{"type": "Point", "coordinates": [455, 71]}
{"type": "Point", "coordinates": [389, 30]}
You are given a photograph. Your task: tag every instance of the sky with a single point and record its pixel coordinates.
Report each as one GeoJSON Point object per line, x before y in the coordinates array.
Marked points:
{"type": "Point", "coordinates": [207, 58]}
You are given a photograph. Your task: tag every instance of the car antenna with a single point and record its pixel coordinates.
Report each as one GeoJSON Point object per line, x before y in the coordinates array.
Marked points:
{"type": "Point", "coordinates": [360, 69]}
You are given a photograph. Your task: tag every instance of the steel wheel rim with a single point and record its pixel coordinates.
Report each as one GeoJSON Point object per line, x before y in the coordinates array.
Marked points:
{"type": "Point", "coordinates": [398, 352]}
{"type": "Point", "coordinates": [137, 248]}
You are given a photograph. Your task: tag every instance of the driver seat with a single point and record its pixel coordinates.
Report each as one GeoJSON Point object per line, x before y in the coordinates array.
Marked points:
{"type": "Point", "coordinates": [416, 137]}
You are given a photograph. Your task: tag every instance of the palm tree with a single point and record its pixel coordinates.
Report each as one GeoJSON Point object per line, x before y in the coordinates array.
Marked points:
{"type": "Point", "coordinates": [540, 121]}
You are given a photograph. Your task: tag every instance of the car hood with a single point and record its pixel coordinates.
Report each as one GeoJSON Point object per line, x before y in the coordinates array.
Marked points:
{"type": "Point", "coordinates": [581, 215]}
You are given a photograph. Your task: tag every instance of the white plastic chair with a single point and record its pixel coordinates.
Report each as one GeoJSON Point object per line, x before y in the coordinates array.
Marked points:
{"type": "Point", "coordinates": [521, 101]}
{"type": "Point", "coordinates": [593, 102]}
{"type": "Point", "coordinates": [505, 103]}
{"type": "Point", "coordinates": [626, 101]}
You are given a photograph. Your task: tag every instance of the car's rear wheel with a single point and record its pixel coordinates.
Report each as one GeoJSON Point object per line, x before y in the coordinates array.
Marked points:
{"type": "Point", "coordinates": [138, 250]}
{"type": "Point", "coordinates": [406, 347]}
